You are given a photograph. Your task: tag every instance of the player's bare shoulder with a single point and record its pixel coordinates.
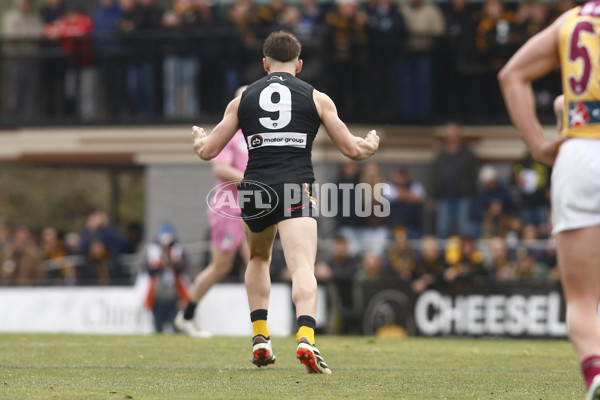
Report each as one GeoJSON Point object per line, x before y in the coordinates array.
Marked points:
{"type": "Point", "coordinates": [234, 104]}
{"type": "Point", "coordinates": [560, 21]}
{"type": "Point", "coordinates": [323, 102]}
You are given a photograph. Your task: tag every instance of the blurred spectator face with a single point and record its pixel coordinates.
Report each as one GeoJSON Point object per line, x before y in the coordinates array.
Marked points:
{"type": "Point", "coordinates": [24, 6]}
{"type": "Point", "coordinates": [372, 265]}
{"type": "Point", "coordinates": [127, 5]}
{"type": "Point", "coordinates": [72, 241]}
{"type": "Point", "coordinates": [529, 232]}
{"type": "Point", "coordinates": [49, 237]}
{"type": "Point", "coordinates": [107, 3]}
{"type": "Point", "coordinates": [22, 236]}
{"type": "Point", "coordinates": [166, 235]}
{"type": "Point", "coordinates": [350, 169]}
{"type": "Point", "coordinates": [525, 264]}
{"type": "Point", "coordinates": [401, 242]}
{"type": "Point", "coordinates": [515, 224]}
{"type": "Point", "coordinates": [166, 239]}
{"type": "Point", "coordinates": [290, 16]}
{"type": "Point", "coordinates": [347, 8]}
{"type": "Point", "coordinates": [459, 5]}
{"type": "Point", "coordinates": [539, 13]}
{"type": "Point", "coordinates": [96, 220]}
{"type": "Point", "coordinates": [239, 12]}
{"type": "Point", "coordinates": [400, 178]}
{"type": "Point", "coordinates": [98, 251]}
{"type": "Point", "coordinates": [340, 248]}
{"type": "Point", "coordinates": [467, 248]}
{"type": "Point", "coordinates": [498, 248]}
{"type": "Point", "coordinates": [453, 137]}
{"type": "Point", "coordinates": [494, 9]}
{"type": "Point", "coordinates": [415, 3]}
{"type": "Point", "coordinates": [495, 208]}
{"type": "Point", "coordinates": [371, 173]}
{"type": "Point", "coordinates": [277, 5]}
{"type": "Point", "coordinates": [184, 5]}
{"type": "Point", "coordinates": [429, 249]}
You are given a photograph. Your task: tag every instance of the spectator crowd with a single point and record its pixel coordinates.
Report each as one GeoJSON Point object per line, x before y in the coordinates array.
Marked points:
{"type": "Point", "coordinates": [97, 255]}
{"type": "Point", "coordinates": [106, 60]}
{"type": "Point", "coordinates": [471, 223]}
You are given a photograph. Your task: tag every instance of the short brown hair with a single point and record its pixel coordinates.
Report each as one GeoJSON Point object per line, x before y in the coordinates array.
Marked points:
{"type": "Point", "coordinates": [282, 46]}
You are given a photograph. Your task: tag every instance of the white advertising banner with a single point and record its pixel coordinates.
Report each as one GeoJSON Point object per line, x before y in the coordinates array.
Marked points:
{"type": "Point", "coordinates": [119, 310]}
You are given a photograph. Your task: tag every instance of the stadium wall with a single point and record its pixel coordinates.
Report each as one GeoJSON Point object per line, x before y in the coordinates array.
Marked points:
{"type": "Point", "coordinates": [535, 311]}
{"type": "Point", "coordinates": [119, 310]}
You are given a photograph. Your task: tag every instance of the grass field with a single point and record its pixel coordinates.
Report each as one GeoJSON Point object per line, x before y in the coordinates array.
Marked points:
{"type": "Point", "coordinates": [179, 367]}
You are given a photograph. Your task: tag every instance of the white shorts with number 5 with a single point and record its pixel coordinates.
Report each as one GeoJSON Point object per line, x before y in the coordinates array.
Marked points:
{"type": "Point", "coordinates": [576, 185]}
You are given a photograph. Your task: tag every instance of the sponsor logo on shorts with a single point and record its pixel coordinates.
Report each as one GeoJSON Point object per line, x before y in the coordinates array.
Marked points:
{"type": "Point", "coordinates": [293, 139]}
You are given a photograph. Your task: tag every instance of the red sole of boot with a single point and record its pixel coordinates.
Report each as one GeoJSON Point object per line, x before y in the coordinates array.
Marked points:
{"type": "Point", "coordinates": [307, 358]}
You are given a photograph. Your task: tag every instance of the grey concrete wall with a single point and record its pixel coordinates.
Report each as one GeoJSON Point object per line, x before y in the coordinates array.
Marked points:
{"type": "Point", "coordinates": [177, 194]}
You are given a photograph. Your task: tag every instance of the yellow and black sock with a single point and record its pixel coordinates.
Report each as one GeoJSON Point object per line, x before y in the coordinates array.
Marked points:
{"type": "Point", "coordinates": [259, 323]}
{"type": "Point", "coordinates": [306, 328]}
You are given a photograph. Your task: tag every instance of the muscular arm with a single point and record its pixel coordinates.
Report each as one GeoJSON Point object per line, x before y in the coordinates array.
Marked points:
{"type": "Point", "coordinates": [209, 146]}
{"type": "Point", "coordinates": [535, 59]}
{"type": "Point", "coordinates": [353, 147]}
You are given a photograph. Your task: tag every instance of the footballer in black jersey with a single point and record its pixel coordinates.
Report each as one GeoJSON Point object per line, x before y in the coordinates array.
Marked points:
{"type": "Point", "coordinates": [279, 116]}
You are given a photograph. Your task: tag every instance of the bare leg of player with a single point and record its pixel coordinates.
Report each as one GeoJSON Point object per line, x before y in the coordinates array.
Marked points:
{"type": "Point", "coordinates": [579, 263]}
{"type": "Point", "coordinates": [299, 241]}
{"type": "Point", "coordinates": [220, 265]}
{"type": "Point", "coordinates": [258, 277]}
{"type": "Point", "coordinates": [258, 287]}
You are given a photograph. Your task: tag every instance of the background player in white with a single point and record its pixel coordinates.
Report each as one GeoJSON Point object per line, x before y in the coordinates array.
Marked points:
{"type": "Point", "coordinates": [226, 232]}
{"type": "Point", "coordinates": [571, 42]}
{"type": "Point", "coordinates": [298, 235]}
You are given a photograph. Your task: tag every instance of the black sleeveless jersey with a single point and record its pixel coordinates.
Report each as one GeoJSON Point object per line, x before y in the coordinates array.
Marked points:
{"type": "Point", "coordinates": [279, 119]}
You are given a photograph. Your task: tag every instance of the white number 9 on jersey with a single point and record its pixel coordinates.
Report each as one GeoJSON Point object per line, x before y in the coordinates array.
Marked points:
{"type": "Point", "coordinates": [283, 107]}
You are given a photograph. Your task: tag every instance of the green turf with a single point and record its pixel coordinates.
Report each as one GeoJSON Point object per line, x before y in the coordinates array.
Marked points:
{"type": "Point", "coordinates": [179, 367]}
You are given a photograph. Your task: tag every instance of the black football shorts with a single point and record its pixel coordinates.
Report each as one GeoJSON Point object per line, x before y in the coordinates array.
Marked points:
{"type": "Point", "coordinates": [266, 205]}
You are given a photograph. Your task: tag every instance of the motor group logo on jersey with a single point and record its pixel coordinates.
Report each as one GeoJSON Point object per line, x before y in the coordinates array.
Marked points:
{"type": "Point", "coordinates": [257, 200]}
{"type": "Point", "coordinates": [292, 139]}
{"type": "Point", "coordinates": [255, 141]}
